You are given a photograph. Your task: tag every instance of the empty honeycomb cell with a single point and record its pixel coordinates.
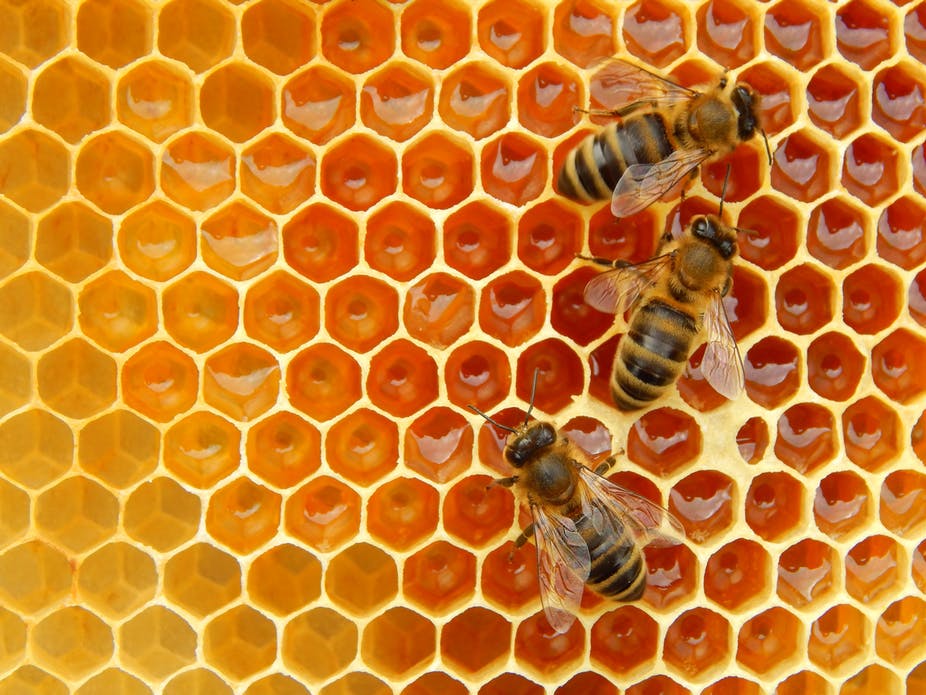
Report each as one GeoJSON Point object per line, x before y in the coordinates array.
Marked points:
{"type": "Point", "coordinates": [746, 305]}
{"type": "Point", "coordinates": [559, 376]}
{"type": "Point", "coordinates": [834, 99]}
{"type": "Point", "coordinates": [794, 32]}
{"type": "Point", "coordinates": [773, 232]}
{"type": "Point", "coordinates": [874, 569]}
{"type": "Point", "coordinates": [806, 437]}
{"type": "Point", "coordinates": [160, 381]}
{"type": "Point", "coordinates": [76, 379]}
{"type": "Point", "coordinates": [513, 168]}
{"type": "Point", "coordinates": [117, 312]}
{"type": "Point", "coordinates": [703, 502]}
{"type": "Point", "coordinates": [726, 32]}
{"type": "Point", "coordinates": [656, 31]}
{"type": "Point", "coordinates": [900, 631]}
{"type": "Point", "coordinates": [276, 684]}
{"type": "Point", "coordinates": [745, 165]}
{"type": "Point", "coordinates": [477, 374]}
{"type": "Point", "coordinates": [549, 237]}
{"type": "Point", "coordinates": [864, 34]}
{"type": "Point", "coordinates": [804, 683]}
{"type": "Point", "coordinates": [34, 169]}
{"type": "Point", "coordinates": [512, 308]}
{"type": "Point", "coordinates": [872, 433]}
{"type": "Point", "coordinates": [197, 170]}
{"type": "Point", "coordinates": [624, 639]}
{"type": "Point", "coordinates": [358, 172]}
{"type": "Point", "coordinates": [895, 368]}
{"type": "Point", "coordinates": [324, 513]}
{"type": "Point", "coordinates": [283, 449]}
{"type": "Point", "coordinates": [318, 103]}
{"type": "Point", "coordinates": [871, 169]}
{"type": "Point", "coordinates": [807, 573]}
{"type": "Point", "coordinates": [241, 642]}
{"type": "Point", "coordinates": [200, 33]}
{"type": "Point", "coordinates": [201, 449]}
{"type": "Point", "coordinates": [281, 311]}
{"type": "Point", "coordinates": [278, 34]}
{"type": "Point", "coordinates": [15, 514]}
{"type": "Point", "coordinates": [34, 576]}
{"type": "Point", "coordinates": [477, 239]}
{"type": "Point", "coordinates": [802, 167]}
{"type": "Point", "coordinates": [119, 448]}
{"type": "Point", "coordinates": [477, 513]}
{"type": "Point", "coordinates": [901, 508]}
{"type": "Point", "coordinates": [155, 99]}
{"type": "Point", "coordinates": [241, 380]}
{"type": "Point", "coordinates": [113, 680]}
{"type": "Point", "coordinates": [398, 642]}
{"type": "Point", "coordinates": [115, 172]}
{"type": "Point", "coordinates": [73, 241]}
{"type": "Point", "coordinates": [475, 641]}
{"type": "Point", "coordinates": [838, 233]}
{"type": "Point", "coordinates": [202, 579]}
{"type": "Point", "coordinates": [838, 638]}
{"type": "Point", "coordinates": [697, 643]}
{"type": "Point", "coordinates": [72, 642]}
{"type": "Point", "coordinates": [842, 504]}
{"type": "Point", "coordinates": [363, 446]}
{"type": "Point", "coordinates": [773, 505]}
{"type": "Point", "coordinates": [768, 642]}
{"type": "Point", "coordinates": [362, 579]}
{"type": "Point", "coordinates": [156, 643]}
{"type": "Point", "coordinates": [323, 381]}
{"type": "Point", "coordinates": [277, 173]}
{"type": "Point", "coordinates": [511, 684]}
{"type": "Point", "coordinates": [402, 512]}
{"type": "Point", "coordinates": [397, 101]}
{"type": "Point", "coordinates": [117, 579]}
{"type": "Point", "coordinates": [157, 241]}
{"type": "Point", "coordinates": [321, 243]}
{"type": "Point", "coordinates": [400, 241]}
{"type": "Point", "coordinates": [161, 514]}
{"type": "Point", "coordinates": [583, 31]}
{"type": "Point", "coordinates": [752, 439]}
{"type": "Point", "coordinates": [439, 310]}
{"type": "Point", "coordinates": [439, 577]}
{"type": "Point", "coordinates": [31, 679]}
{"type": "Point", "coordinates": [545, 651]}
{"type": "Point", "coordinates": [834, 366]}
{"type": "Point", "coordinates": [285, 579]}
{"type": "Point", "coordinates": [71, 97]}
{"type": "Point", "coordinates": [114, 32]}
{"type": "Point", "coordinates": [898, 100]}
{"type": "Point", "coordinates": [902, 233]}
{"type": "Point", "coordinates": [37, 310]}
{"type": "Point", "coordinates": [671, 574]}
{"type": "Point", "coordinates": [35, 448]}
{"type": "Point", "coordinates": [77, 514]}
{"type": "Point", "coordinates": [358, 36]}
{"type": "Point", "coordinates": [34, 31]}
{"type": "Point", "coordinates": [15, 246]}
{"type": "Point", "coordinates": [435, 33]}
{"type": "Point", "coordinates": [547, 97]}
{"type": "Point", "coordinates": [773, 367]}
{"type": "Point", "coordinates": [243, 515]}
{"type": "Point", "coordinates": [509, 576]}
{"type": "Point", "coordinates": [664, 440]}
{"type": "Point", "coordinates": [200, 311]}
{"type": "Point", "coordinates": [197, 681]}
{"type": "Point", "coordinates": [629, 238]}
{"type": "Point", "coordinates": [402, 379]}
{"type": "Point", "coordinates": [437, 170]}
{"type": "Point", "coordinates": [238, 241]}
{"type": "Point", "coordinates": [737, 574]}
{"type": "Point", "coordinates": [805, 299]}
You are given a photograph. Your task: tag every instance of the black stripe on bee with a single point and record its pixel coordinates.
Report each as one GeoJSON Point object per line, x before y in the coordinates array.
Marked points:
{"type": "Point", "coordinates": [616, 563]}
{"type": "Point", "coordinates": [668, 331]}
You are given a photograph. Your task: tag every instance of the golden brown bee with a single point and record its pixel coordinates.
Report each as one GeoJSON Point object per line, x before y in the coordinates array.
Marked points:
{"type": "Point", "coordinates": [673, 298]}
{"type": "Point", "coordinates": [664, 132]}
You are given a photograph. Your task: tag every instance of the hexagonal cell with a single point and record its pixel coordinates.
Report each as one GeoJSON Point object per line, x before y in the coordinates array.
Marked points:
{"type": "Point", "coordinates": [548, 97]}
{"type": "Point", "coordinates": [276, 684]}
{"type": "Point", "coordinates": [549, 237]}
{"type": "Point", "coordinates": [901, 233]}
{"type": "Point", "coordinates": [571, 316]}
{"type": "Point", "coordinates": [806, 437]}
{"type": "Point", "coordinates": [319, 643]}
{"type": "Point", "coordinates": [34, 169]}
{"type": "Point", "coordinates": [696, 643]}
{"type": "Point", "coordinates": [361, 312]}
{"type": "Point", "coordinates": [437, 170]}
{"type": "Point", "coordinates": [872, 679]}
{"type": "Point", "coordinates": [774, 230]}
{"type": "Point", "coordinates": [842, 504]}
{"type": "Point", "coordinates": [703, 502]}
{"type": "Point", "coordinates": [874, 569]}
{"type": "Point", "coordinates": [278, 34]}
{"type": "Point", "coordinates": [752, 440]}
{"type": "Point", "coordinates": [872, 433]}
{"type": "Point", "coordinates": [35, 448]}
{"type": "Point", "coordinates": [71, 97]}
{"type": "Point", "coordinates": [439, 309]}
{"type": "Point", "coordinates": [475, 641]}
{"type": "Point", "coordinates": [162, 514]}
{"type": "Point", "coordinates": [241, 380]}
{"type": "Point", "coordinates": [834, 366]}
{"type": "Point", "coordinates": [114, 32]}
{"type": "Point", "coordinates": [202, 579]}
{"type": "Point", "coordinates": [277, 173]}
{"type": "Point", "coordinates": [72, 642]}
{"type": "Point", "coordinates": [727, 33]}
{"type": "Point", "coordinates": [318, 104]}
{"type": "Point", "coordinates": [76, 379]}
{"type": "Point", "coordinates": [477, 373]}
{"type": "Point", "coordinates": [475, 99]}
{"type": "Point", "coordinates": [155, 100]}
{"type": "Point", "coordinates": [197, 171]}
{"type": "Point", "coordinates": [793, 32]}
{"type": "Point", "coordinates": [115, 172]}
{"type": "Point", "coordinates": [117, 312]}
{"type": "Point", "coordinates": [898, 100]}
{"type": "Point", "coordinates": [777, 97]}
{"type": "Point", "coordinates": [736, 576]}
{"type": "Point", "coordinates": [31, 679]}
{"type": "Point", "coordinates": [671, 574]}
{"type": "Point", "coordinates": [243, 515]}
{"type": "Point", "coordinates": [398, 642]}
{"type": "Point", "coordinates": [804, 683]}
{"type": "Point", "coordinates": [323, 381]}
{"type": "Point", "coordinates": [476, 513]}
{"type": "Point", "coordinates": [117, 579]}
{"type": "Point", "coordinates": [160, 381]}
{"type": "Point", "coordinates": [624, 639]}
{"type": "Point", "coordinates": [804, 299]}
{"type": "Point", "coordinates": [901, 508]}
{"type": "Point", "coordinates": [113, 680]}
{"type": "Point", "coordinates": [200, 311]}
{"type": "Point", "coordinates": [512, 308]}
{"type": "Point", "coordinates": [807, 573]}
{"type": "Point", "coordinates": [402, 512]}
{"type": "Point", "coordinates": [281, 312]}
{"type": "Point", "coordinates": [435, 33]}
{"type": "Point", "coordinates": [119, 448]}
{"type": "Point", "coordinates": [558, 373]}
{"type": "Point", "coordinates": [157, 643]}
{"type": "Point", "coordinates": [746, 305]}
{"type": "Point", "coordinates": [664, 440]}
{"type": "Point", "coordinates": [838, 233]}
{"type": "Point", "coordinates": [630, 238]}
{"type": "Point", "coordinates": [283, 449]}
{"type": "Point", "coordinates": [402, 379]}
{"type": "Point", "coordinates": [514, 168]}
{"type": "Point", "coordinates": [772, 371]}
{"type": "Point", "coordinates": [544, 651]}
{"type": "Point", "coordinates": [773, 505]}
{"type": "Point", "coordinates": [324, 513]}
{"type": "Point", "coordinates": [400, 241]}
{"type": "Point", "coordinates": [511, 31]}
{"type": "Point", "coordinates": [397, 101]}
{"type": "Point", "coordinates": [802, 167]}
{"type": "Point", "coordinates": [361, 579]}
{"type": "Point", "coordinates": [439, 577]}
{"type": "Point", "coordinates": [358, 172]}
{"type": "Point", "coordinates": [900, 631]}
{"type": "Point", "coordinates": [511, 684]}
{"type": "Point", "coordinates": [864, 34]}
{"type": "Point", "coordinates": [894, 367]}
{"type": "Point", "coordinates": [362, 446]}
{"type": "Point", "coordinates": [285, 579]}
{"type": "Point", "coordinates": [768, 642]}
{"type": "Point", "coordinates": [241, 642]}
{"type": "Point", "coordinates": [745, 165]}
{"type": "Point", "coordinates": [477, 239]}
{"type": "Point", "coordinates": [838, 638]}
{"type": "Point", "coordinates": [199, 33]}
{"type": "Point", "coordinates": [34, 31]}
{"type": "Point", "coordinates": [321, 243]}
{"type": "Point", "coordinates": [237, 101]}
{"type": "Point", "coordinates": [656, 31]}
{"type": "Point", "coordinates": [583, 31]}
{"type": "Point", "coordinates": [157, 241]}
{"type": "Point", "coordinates": [358, 36]}
{"type": "Point", "coordinates": [34, 576]}
{"type": "Point", "coordinates": [438, 444]}
{"type": "Point", "coordinates": [15, 246]}
{"type": "Point", "coordinates": [833, 99]}
{"type": "Point", "coordinates": [435, 683]}
{"type": "Point", "coordinates": [509, 577]}
{"type": "Point", "coordinates": [239, 242]}
{"type": "Point", "coordinates": [77, 514]}
{"type": "Point", "coordinates": [199, 681]}
{"type": "Point", "coordinates": [201, 449]}
{"type": "Point", "coordinates": [36, 310]}
{"type": "Point", "coordinates": [871, 169]}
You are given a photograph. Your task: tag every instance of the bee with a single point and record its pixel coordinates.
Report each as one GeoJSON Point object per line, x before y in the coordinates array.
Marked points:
{"type": "Point", "coordinates": [665, 131]}
{"type": "Point", "coordinates": [587, 530]}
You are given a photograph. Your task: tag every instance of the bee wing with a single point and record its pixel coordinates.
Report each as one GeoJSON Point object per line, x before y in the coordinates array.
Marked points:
{"type": "Point", "coordinates": [617, 83]}
{"type": "Point", "coordinates": [563, 565]}
{"type": "Point", "coordinates": [722, 365]}
{"type": "Point", "coordinates": [615, 291]}
{"type": "Point", "coordinates": [643, 184]}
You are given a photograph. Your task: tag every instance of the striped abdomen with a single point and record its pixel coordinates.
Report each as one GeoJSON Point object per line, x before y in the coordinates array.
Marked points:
{"type": "Point", "coordinates": [592, 170]}
{"type": "Point", "coordinates": [618, 570]}
{"type": "Point", "coordinates": [652, 354]}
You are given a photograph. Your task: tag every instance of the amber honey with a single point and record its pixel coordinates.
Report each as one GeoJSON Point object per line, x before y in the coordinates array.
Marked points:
{"type": "Point", "coordinates": [257, 258]}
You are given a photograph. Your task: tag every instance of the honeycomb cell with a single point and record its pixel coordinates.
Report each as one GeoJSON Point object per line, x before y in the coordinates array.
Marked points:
{"type": "Point", "coordinates": [400, 241]}
{"type": "Point", "coordinates": [663, 441]}
{"type": "Point", "coordinates": [548, 97]}
{"type": "Point", "coordinates": [114, 32]}
{"type": "Point", "coordinates": [697, 642]}
{"type": "Point", "coordinates": [570, 315]}
{"type": "Point", "coordinates": [802, 167]}
{"type": "Point", "coordinates": [113, 680]}
{"type": "Point", "coordinates": [477, 239]}
{"type": "Point", "coordinates": [15, 246]}
{"type": "Point", "coordinates": [77, 514]}
{"type": "Point", "coordinates": [197, 681]}
{"type": "Point", "coordinates": [72, 642]}
{"type": "Point", "coordinates": [842, 504]}
{"type": "Point", "coordinates": [898, 101]}
{"type": "Point", "coordinates": [793, 32]}
{"type": "Point", "coordinates": [73, 241]}
{"type": "Point", "coordinates": [873, 569]}
{"type": "Point", "coordinates": [363, 446]}
{"type": "Point", "coordinates": [435, 683]}
{"type": "Point", "coordinates": [435, 33]}
{"type": "Point", "coordinates": [197, 171]}
{"type": "Point", "coordinates": [437, 170]}
{"type": "Point", "coordinates": [398, 642]}
{"type": "Point", "coordinates": [894, 367]}
{"type": "Point", "coordinates": [583, 31]}
{"type": "Point", "coordinates": [241, 380]}
{"type": "Point", "coordinates": [358, 35]}
{"type": "Point", "coordinates": [509, 576]}
{"type": "Point", "coordinates": [276, 684]}
{"type": "Point", "coordinates": [324, 513]}
{"type": "Point", "coordinates": [804, 299]}
{"type": "Point", "coordinates": [200, 33]}
{"type": "Point", "coordinates": [34, 31]}
{"type": "Point", "coordinates": [872, 433]}
{"type": "Point", "coordinates": [545, 651]}
{"type": "Point", "coordinates": [747, 303]}
{"type": "Point", "coordinates": [872, 679]}
{"type": "Point", "coordinates": [624, 639]}
{"type": "Point", "coordinates": [283, 449]}
{"type": "Point", "coordinates": [362, 579]}
{"type": "Point", "coordinates": [119, 448]}
{"type": "Point", "coordinates": [559, 376]}
{"type": "Point", "coordinates": [34, 169]}
{"type": "Point", "coordinates": [36, 310]}
{"type": "Point", "coordinates": [397, 101]}
{"type": "Point", "coordinates": [774, 231]}
{"type": "Point", "coordinates": [806, 437]}
{"type": "Point", "coordinates": [901, 233]}
{"type": "Point", "coordinates": [900, 631]}
{"type": "Point", "coordinates": [241, 642]}
{"type": "Point", "coordinates": [277, 173]}
{"type": "Point", "coordinates": [807, 573]}
{"type": "Point", "coordinates": [160, 381]}
{"type": "Point", "coordinates": [514, 168]}
{"type": "Point", "coordinates": [736, 576]}
{"type": "Point", "coordinates": [239, 242]}
{"type": "Point", "coordinates": [439, 577]}
{"type": "Point", "coordinates": [161, 514]}
{"type": "Point", "coordinates": [629, 238]}
{"type": "Point", "coordinates": [477, 513]}
{"type": "Point", "coordinates": [838, 233]}
{"type": "Point", "coordinates": [281, 312]}
{"type": "Point", "coordinates": [672, 574]}
{"type": "Point", "coordinates": [115, 171]}
{"type": "Point", "coordinates": [202, 579]}
{"type": "Point", "coordinates": [356, 682]}
{"type": "Point", "coordinates": [549, 237]}
{"type": "Point", "coordinates": [323, 381]}
{"type": "Point", "coordinates": [834, 366]}
{"type": "Point", "coordinates": [402, 379]}
{"type": "Point", "coordinates": [768, 642]}
{"type": "Point", "coordinates": [703, 502]}
{"type": "Point", "coordinates": [512, 308]}
{"type": "Point", "coordinates": [117, 580]}
{"type": "Point", "coordinates": [871, 169]}
{"type": "Point", "coordinates": [834, 99]}
{"type": "Point", "coordinates": [156, 643]}
{"type": "Point", "coordinates": [772, 371]}
{"type": "Point", "coordinates": [358, 172]}
{"type": "Point", "coordinates": [745, 165]}
{"type": "Point", "coordinates": [200, 311]}
{"type": "Point", "coordinates": [201, 449]}
{"type": "Point", "coordinates": [71, 97]}
{"type": "Point", "coordinates": [35, 448]}
{"type": "Point", "coordinates": [243, 515]}
{"type": "Point", "coordinates": [777, 97]}
{"type": "Point", "coordinates": [838, 638]}
{"type": "Point", "coordinates": [656, 31]}
{"type": "Point", "coordinates": [117, 312]}
{"type": "Point", "coordinates": [804, 683]}
{"type": "Point", "coordinates": [361, 312]}
{"type": "Point", "coordinates": [726, 32]}
{"type": "Point", "coordinates": [402, 512]}
{"type": "Point", "coordinates": [318, 104]}
{"type": "Point", "coordinates": [237, 101]}
{"type": "Point", "coordinates": [733, 685]}
{"type": "Point", "coordinates": [15, 515]}
{"type": "Point", "coordinates": [278, 34]}
{"type": "Point", "coordinates": [155, 100]}
{"type": "Point", "coordinates": [475, 642]}
{"type": "Point", "coordinates": [477, 374]}
{"type": "Point", "coordinates": [863, 34]}
{"type": "Point", "coordinates": [321, 243]}
{"type": "Point", "coordinates": [475, 98]}
{"type": "Point", "coordinates": [752, 440]}
{"type": "Point", "coordinates": [901, 507]}
{"type": "Point", "coordinates": [285, 579]}
{"type": "Point", "coordinates": [31, 679]}
{"type": "Point", "coordinates": [439, 310]}
{"type": "Point", "coordinates": [76, 379]}
{"type": "Point", "coordinates": [657, 685]}
{"type": "Point", "coordinates": [34, 576]}
{"type": "Point", "coordinates": [773, 505]}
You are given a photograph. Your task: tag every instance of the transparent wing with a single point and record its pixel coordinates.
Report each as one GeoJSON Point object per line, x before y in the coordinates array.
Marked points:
{"type": "Point", "coordinates": [643, 184]}
{"type": "Point", "coordinates": [563, 565]}
{"type": "Point", "coordinates": [722, 365]}
{"type": "Point", "coordinates": [615, 291]}
{"type": "Point", "coordinates": [617, 85]}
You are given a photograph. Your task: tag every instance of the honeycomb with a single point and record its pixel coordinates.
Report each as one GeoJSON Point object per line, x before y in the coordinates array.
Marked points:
{"type": "Point", "coordinates": [258, 257]}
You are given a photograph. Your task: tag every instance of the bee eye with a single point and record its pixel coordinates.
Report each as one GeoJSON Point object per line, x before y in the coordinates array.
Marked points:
{"type": "Point", "coordinates": [700, 226]}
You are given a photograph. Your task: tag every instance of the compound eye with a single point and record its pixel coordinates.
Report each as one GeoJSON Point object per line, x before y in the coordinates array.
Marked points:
{"type": "Point", "coordinates": [700, 226]}
{"type": "Point", "coordinates": [518, 452]}
{"type": "Point", "coordinates": [547, 435]}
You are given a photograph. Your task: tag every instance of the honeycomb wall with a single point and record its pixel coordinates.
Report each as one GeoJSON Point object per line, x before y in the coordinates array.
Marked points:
{"type": "Point", "coordinates": [258, 257]}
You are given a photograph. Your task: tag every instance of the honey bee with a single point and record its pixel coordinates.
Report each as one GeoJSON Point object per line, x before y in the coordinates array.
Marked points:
{"type": "Point", "coordinates": [587, 530]}
{"type": "Point", "coordinates": [665, 131]}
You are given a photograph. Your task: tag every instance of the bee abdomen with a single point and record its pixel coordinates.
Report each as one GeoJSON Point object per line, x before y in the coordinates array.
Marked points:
{"type": "Point", "coordinates": [617, 570]}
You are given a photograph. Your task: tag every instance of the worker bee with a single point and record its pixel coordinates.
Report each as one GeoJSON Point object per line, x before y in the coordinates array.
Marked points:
{"type": "Point", "coordinates": [587, 530]}
{"type": "Point", "coordinates": [664, 132]}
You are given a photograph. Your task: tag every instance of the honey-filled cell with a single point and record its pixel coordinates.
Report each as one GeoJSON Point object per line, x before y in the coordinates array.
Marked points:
{"type": "Point", "coordinates": [549, 237]}
{"type": "Point", "coordinates": [807, 573]}
{"type": "Point", "coordinates": [243, 515]}
{"type": "Point", "coordinates": [806, 437]}
{"type": "Point", "coordinates": [435, 33]}
{"type": "Point", "coordinates": [736, 575]}
{"type": "Point", "coordinates": [768, 642]}
{"type": "Point", "coordinates": [900, 631]}
{"type": "Point", "coordinates": [363, 446]}
{"type": "Point", "coordinates": [155, 100]}
{"type": "Point", "coordinates": [513, 168]}
{"type": "Point", "coordinates": [703, 502]}
{"type": "Point", "coordinates": [872, 433]}
{"type": "Point", "coordinates": [511, 684]}
{"type": "Point", "coordinates": [874, 569]}
{"type": "Point", "coordinates": [544, 651]}
{"type": "Point", "coordinates": [555, 369]}
{"type": "Point", "coordinates": [361, 312]}
{"type": "Point", "coordinates": [632, 238]}
{"type": "Point", "coordinates": [403, 512]}
{"type": "Point", "coordinates": [400, 241]}
{"type": "Point", "coordinates": [898, 100]}
{"type": "Point", "coordinates": [838, 638]}
{"type": "Point", "coordinates": [587, 683]}
{"type": "Point", "coordinates": [901, 508]}
{"type": "Point", "coordinates": [476, 512]}
{"type": "Point", "coordinates": [834, 366]}
{"type": "Point", "coordinates": [624, 639]}
{"type": "Point", "coordinates": [397, 101]}
{"type": "Point", "coordinates": [842, 504]}
{"type": "Point", "coordinates": [324, 513]}
{"type": "Point", "coordinates": [318, 103]}
{"type": "Point", "coordinates": [804, 299]}
{"type": "Point", "coordinates": [478, 374]}
{"type": "Point", "coordinates": [358, 172]}
{"type": "Point", "coordinates": [772, 232]}
{"type": "Point", "coordinates": [802, 167]}
{"type": "Point", "coordinates": [197, 170]}
{"type": "Point", "coordinates": [894, 367]}
{"type": "Point", "coordinates": [357, 36]}
{"type": "Point", "coordinates": [511, 31]}
{"type": "Point", "coordinates": [512, 308]}
{"type": "Point", "coordinates": [477, 239]}
{"type": "Point", "coordinates": [583, 31]}
{"type": "Point", "coordinates": [664, 440]}
{"type": "Point", "coordinates": [834, 99]}
{"type": "Point", "coordinates": [277, 173]}
{"type": "Point", "coordinates": [863, 33]}
{"type": "Point", "coordinates": [697, 643]}
{"type": "Point", "coordinates": [323, 381]}
{"type": "Point", "coordinates": [656, 31]}
{"type": "Point", "coordinates": [548, 96]}
{"type": "Point", "coordinates": [837, 233]}
{"type": "Point", "coordinates": [726, 32]}
{"type": "Point", "coordinates": [398, 642]}
{"type": "Point", "coordinates": [402, 379]}
{"type": "Point", "coordinates": [439, 310]}
{"type": "Point", "coordinates": [671, 575]}
{"type": "Point", "coordinates": [438, 444]}
{"type": "Point", "coordinates": [476, 640]}
{"type": "Point", "coordinates": [321, 243]}
{"type": "Point", "coordinates": [772, 369]}
{"type": "Point", "coordinates": [745, 165]}
{"type": "Point", "coordinates": [752, 439]}
{"type": "Point", "coordinates": [774, 505]}
{"type": "Point", "coordinates": [239, 241]}
{"type": "Point", "coordinates": [439, 577]}
{"type": "Point", "coordinates": [241, 380]}
{"type": "Point", "coordinates": [902, 233]}
{"type": "Point", "coordinates": [872, 169]}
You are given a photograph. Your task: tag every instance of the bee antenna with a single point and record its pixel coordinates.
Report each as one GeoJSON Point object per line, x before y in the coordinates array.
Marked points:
{"type": "Point", "coordinates": [530, 407]}
{"type": "Point", "coordinates": [497, 424]}
{"type": "Point", "coordinates": [768, 150]}
{"type": "Point", "coordinates": [743, 230]}
{"type": "Point", "coordinates": [723, 191]}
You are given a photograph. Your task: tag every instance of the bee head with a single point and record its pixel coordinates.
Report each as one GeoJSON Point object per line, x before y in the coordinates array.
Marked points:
{"type": "Point", "coordinates": [746, 103]}
{"type": "Point", "coordinates": [712, 230]}
{"type": "Point", "coordinates": [526, 443]}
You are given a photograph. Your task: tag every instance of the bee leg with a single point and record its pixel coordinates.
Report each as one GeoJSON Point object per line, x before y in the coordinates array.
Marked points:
{"type": "Point", "coordinates": [605, 465]}
{"type": "Point", "coordinates": [504, 482]}
{"type": "Point", "coordinates": [727, 286]}
{"type": "Point", "coordinates": [521, 540]}
{"type": "Point", "coordinates": [604, 113]}
{"type": "Point", "coordinates": [604, 261]}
